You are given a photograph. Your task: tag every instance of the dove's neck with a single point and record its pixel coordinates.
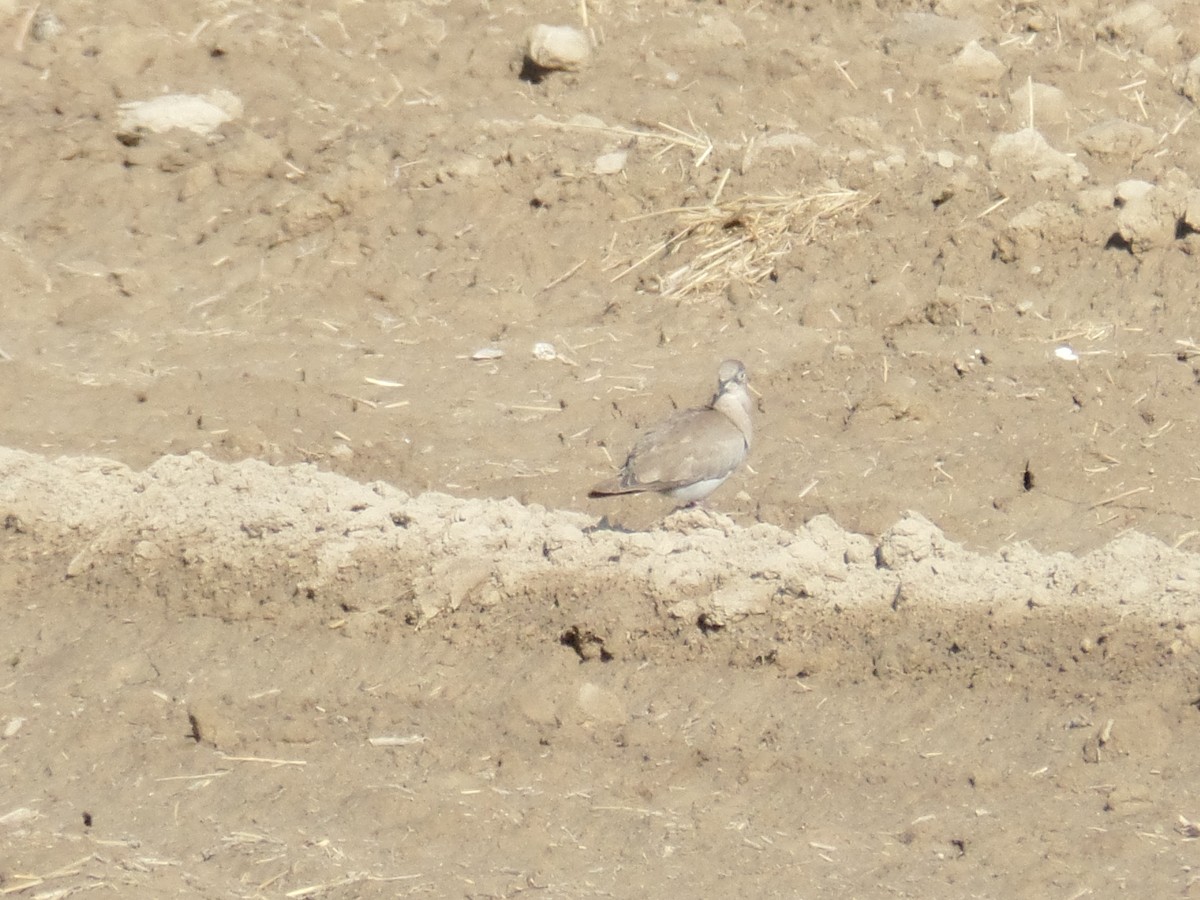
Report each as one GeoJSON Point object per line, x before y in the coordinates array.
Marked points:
{"type": "Point", "coordinates": [734, 403]}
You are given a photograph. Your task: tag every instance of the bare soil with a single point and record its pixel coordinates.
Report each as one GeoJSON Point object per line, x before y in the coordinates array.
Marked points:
{"type": "Point", "coordinates": [302, 599]}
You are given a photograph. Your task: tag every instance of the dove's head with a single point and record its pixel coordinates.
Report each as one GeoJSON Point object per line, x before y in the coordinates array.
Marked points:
{"type": "Point", "coordinates": [732, 372]}
{"type": "Point", "coordinates": [733, 397]}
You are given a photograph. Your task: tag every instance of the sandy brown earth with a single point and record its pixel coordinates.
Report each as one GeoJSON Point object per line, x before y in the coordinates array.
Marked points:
{"type": "Point", "coordinates": [303, 592]}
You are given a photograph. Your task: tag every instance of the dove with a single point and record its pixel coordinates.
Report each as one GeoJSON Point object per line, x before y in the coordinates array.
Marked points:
{"type": "Point", "coordinates": [689, 455]}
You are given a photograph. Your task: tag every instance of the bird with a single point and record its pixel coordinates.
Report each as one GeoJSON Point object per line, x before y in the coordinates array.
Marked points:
{"type": "Point", "coordinates": [689, 455]}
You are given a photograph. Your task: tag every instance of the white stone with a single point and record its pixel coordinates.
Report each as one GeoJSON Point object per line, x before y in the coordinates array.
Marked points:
{"type": "Point", "coordinates": [610, 163]}
{"type": "Point", "coordinates": [978, 64]}
{"type": "Point", "coordinates": [199, 114]}
{"type": "Point", "coordinates": [1132, 189]}
{"type": "Point", "coordinates": [558, 47]}
{"type": "Point", "coordinates": [46, 26]}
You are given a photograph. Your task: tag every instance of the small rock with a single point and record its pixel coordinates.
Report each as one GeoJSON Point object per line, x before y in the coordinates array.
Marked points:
{"type": "Point", "coordinates": [1094, 202]}
{"type": "Point", "coordinates": [913, 539]}
{"type": "Point", "coordinates": [1164, 45]}
{"type": "Point", "coordinates": [46, 26]}
{"type": "Point", "coordinates": [147, 550]}
{"type": "Point", "coordinates": [1049, 103]}
{"type": "Point", "coordinates": [720, 30]}
{"type": "Point", "coordinates": [975, 63]}
{"type": "Point", "coordinates": [1028, 151]}
{"type": "Point", "coordinates": [465, 167]}
{"type": "Point", "coordinates": [1132, 189]}
{"type": "Point", "coordinates": [558, 47]}
{"type": "Point", "coordinates": [488, 353]}
{"type": "Point", "coordinates": [1116, 137]}
{"type": "Point", "coordinates": [1148, 220]}
{"type": "Point", "coordinates": [195, 113]}
{"type": "Point", "coordinates": [1134, 21]}
{"type": "Point", "coordinates": [544, 351]}
{"type": "Point", "coordinates": [546, 193]}
{"type": "Point", "coordinates": [610, 163]}
{"type": "Point", "coordinates": [1046, 222]}
{"type": "Point", "coordinates": [17, 816]}
{"type": "Point", "coordinates": [1191, 212]}
{"type": "Point", "coordinates": [1188, 81]}
{"type": "Point", "coordinates": [733, 603]}
{"type": "Point", "coordinates": [82, 562]}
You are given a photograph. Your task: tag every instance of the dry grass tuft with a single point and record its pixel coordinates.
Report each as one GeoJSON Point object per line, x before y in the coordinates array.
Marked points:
{"type": "Point", "coordinates": [667, 138]}
{"type": "Point", "coordinates": [741, 240]}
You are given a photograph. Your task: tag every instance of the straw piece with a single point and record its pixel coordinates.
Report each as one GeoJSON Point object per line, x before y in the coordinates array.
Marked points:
{"type": "Point", "coordinates": [742, 239]}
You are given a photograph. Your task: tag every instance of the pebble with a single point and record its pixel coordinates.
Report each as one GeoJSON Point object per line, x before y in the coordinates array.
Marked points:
{"type": "Point", "coordinates": [1191, 211]}
{"type": "Point", "coordinates": [199, 114]}
{"type": "Point", "coordinates": [558, 47]}
{"type": "Point", "coordinates": [1133, 189]}
{"type": "Point", "coordinates": [18, 816]}
{"type": "Point", "coordinates": [975, 63]}
{"type": "Point", "coordinates": [610, 163]}
{"type": "Point", "coordinates": [46, 26]}
{"type": "Point", "coordinates": [1188, 80]}
{"type": "Point", "coordinates": [1147, 219]}
{"type": "Point", "coordinates": [1131, 22]}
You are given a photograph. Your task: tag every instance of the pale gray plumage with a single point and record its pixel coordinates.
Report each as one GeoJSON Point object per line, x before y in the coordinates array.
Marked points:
{"type": "Point", "coordinates": [688, 456]}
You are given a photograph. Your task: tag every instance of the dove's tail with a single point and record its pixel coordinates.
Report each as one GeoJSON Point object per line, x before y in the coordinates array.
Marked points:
{"type": "Point", "coordinates": [612, 487]}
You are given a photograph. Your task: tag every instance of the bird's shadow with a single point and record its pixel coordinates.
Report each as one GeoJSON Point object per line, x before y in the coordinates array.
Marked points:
{"type": "Point", "coordinates": [605, 525]}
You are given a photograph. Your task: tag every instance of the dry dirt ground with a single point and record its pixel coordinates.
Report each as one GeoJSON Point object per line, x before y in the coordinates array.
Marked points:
{"type": "Point", "coordinates": [303, 596]}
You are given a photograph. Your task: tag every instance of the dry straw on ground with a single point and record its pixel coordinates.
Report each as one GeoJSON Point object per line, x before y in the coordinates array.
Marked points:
{"type": "Point", "coordinates": [737, 240]}
{"type": "Point", "coordinates": [741, 240]}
